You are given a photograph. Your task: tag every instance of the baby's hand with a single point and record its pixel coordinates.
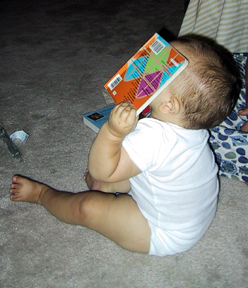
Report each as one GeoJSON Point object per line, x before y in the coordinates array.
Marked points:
{"type": "Point", "coordinates": [122, 120]}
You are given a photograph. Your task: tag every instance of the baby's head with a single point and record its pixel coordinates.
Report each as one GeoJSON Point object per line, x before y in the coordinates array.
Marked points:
{"type": "Point", "coordinates": [209, 87]}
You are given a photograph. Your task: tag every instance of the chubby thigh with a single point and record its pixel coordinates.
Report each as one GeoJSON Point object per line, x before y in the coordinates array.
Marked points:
{"type": "Point", "coordinates": [120, 219]}
{"type": "Point", "coordinates": [117, 218]}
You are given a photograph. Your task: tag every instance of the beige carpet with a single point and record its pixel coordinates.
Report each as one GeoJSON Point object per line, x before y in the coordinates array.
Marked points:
{"type": "Point", "coordinates": [54, 58]}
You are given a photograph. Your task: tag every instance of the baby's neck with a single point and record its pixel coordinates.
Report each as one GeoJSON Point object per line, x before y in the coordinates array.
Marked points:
{"type": "Point", "coordinates": [171, 118]}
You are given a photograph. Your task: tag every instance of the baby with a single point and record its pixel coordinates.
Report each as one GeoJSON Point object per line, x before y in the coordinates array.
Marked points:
{"type": "Point", "coordinates": [162, 165]}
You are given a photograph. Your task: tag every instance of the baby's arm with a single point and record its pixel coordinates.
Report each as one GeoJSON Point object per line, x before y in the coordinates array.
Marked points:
{"type": "Point", "coordinates": [107, 187]}
{"type": "Point", "coordinates": [108, 160]}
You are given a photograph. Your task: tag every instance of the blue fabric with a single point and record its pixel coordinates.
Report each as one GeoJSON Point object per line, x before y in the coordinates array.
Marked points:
{"type": "Point", "coordinates": [228, 142]}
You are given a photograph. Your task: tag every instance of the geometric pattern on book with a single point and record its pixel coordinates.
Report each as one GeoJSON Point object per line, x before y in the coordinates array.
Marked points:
{"type": "Point", "coordinates": [151, 70]}
{"type": "Point", "coordinates": [146, 73]}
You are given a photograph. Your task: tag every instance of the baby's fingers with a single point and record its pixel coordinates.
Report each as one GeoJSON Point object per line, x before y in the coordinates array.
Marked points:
{"type": "Point", "coordinates": [123, 110]}
{"type": "Point", "coordinates": [244, 112]}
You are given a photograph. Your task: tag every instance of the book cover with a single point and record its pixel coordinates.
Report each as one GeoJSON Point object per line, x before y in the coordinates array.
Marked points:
{"type": "Point", "coordinates": [97, 118]}
{"type": "Point", "coordinates": [147, 73]}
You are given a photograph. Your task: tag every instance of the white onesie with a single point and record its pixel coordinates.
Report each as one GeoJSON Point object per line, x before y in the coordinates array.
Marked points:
{"type": "Point", "coordinates": [178, 187]}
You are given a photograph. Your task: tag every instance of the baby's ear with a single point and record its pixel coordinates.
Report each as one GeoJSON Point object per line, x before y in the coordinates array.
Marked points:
{"type": "Point", "coordinates": [171, 105]}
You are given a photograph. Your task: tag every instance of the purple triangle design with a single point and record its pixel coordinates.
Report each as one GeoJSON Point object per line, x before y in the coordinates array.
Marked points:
{"type": "Point", "coordinates": [145, 89]}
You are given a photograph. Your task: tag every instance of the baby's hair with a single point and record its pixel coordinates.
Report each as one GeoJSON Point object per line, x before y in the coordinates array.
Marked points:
{"type": "Point", "coordinates": [209, 87]}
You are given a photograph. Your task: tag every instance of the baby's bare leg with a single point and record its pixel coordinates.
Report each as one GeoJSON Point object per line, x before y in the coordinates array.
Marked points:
{"type": "Point", "coordinates": [117, 218]}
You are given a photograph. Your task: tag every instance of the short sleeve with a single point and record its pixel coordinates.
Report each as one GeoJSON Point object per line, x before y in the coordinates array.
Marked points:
{"type": "Point", "coordinates": [144, 144]}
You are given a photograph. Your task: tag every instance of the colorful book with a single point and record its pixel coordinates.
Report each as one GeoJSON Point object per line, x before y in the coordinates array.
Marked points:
{"type": "Point", "coordinates": [147, 73]}
{"type": "Point", "coordinates": [140, 80]}
{"type": "Point", "coordinates": [97, 118]}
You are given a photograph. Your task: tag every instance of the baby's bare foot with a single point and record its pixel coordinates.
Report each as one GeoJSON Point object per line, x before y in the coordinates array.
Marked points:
{"type": "Point", "coordinates": [24, 189]}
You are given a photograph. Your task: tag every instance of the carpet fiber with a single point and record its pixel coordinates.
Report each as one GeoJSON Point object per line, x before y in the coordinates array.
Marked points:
{"type": "Point", "coordinates": [55, 57]}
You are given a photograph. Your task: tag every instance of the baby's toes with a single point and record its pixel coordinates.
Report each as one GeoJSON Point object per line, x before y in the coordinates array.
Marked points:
{"type": "Point", "coordinates": [13, 188]}
{"type": "Point", "coordinates": [14, 196]}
